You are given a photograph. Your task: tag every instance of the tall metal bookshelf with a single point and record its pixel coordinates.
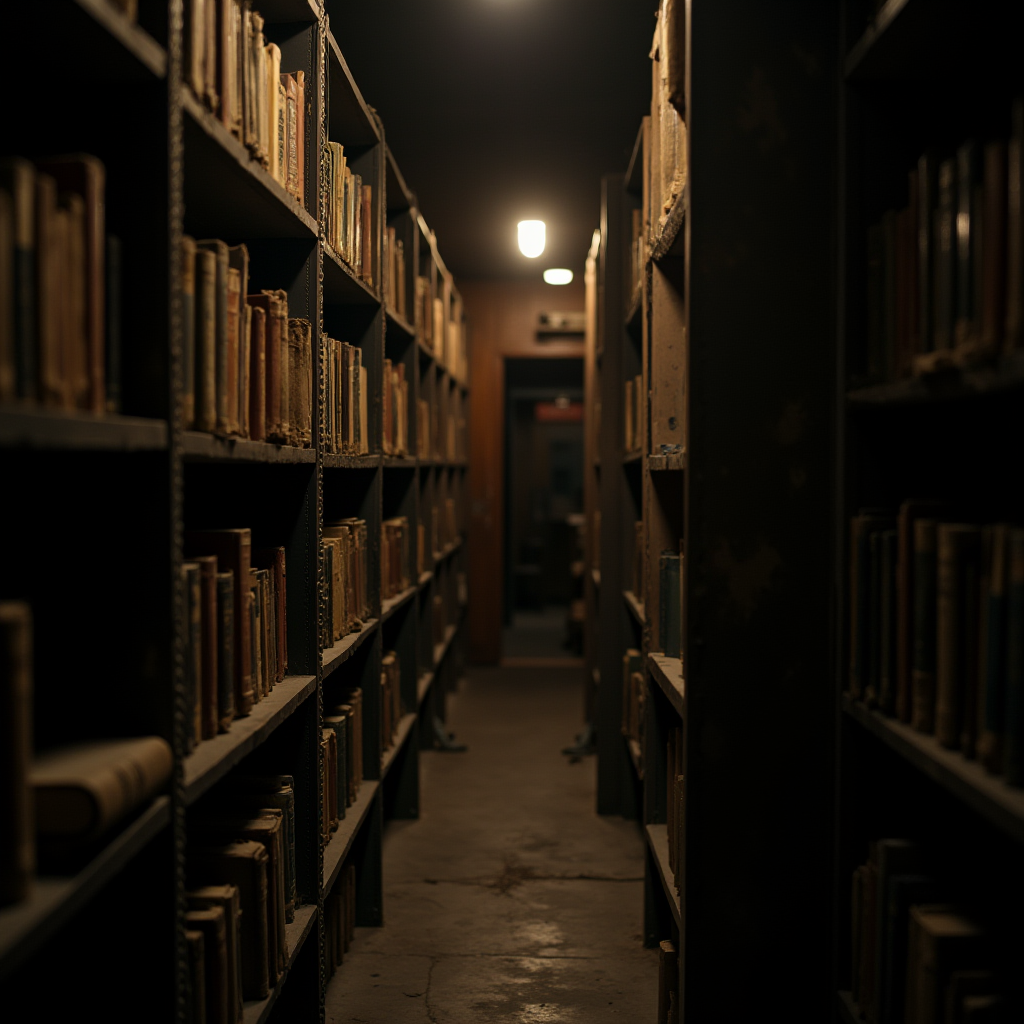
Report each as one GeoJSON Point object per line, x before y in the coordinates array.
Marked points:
{"type": "Point", "coordinates": [100, 504]}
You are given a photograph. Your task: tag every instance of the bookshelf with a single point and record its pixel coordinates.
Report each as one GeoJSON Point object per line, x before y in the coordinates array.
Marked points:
{"type": "Point", "coordinates": [134, 484]}
{"type": "Point", "coordinates": [927, 410]}
{"type": "Point", "coordinates": [710, 505]}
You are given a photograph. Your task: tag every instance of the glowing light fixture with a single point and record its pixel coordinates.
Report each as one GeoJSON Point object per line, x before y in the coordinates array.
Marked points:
{"type": "Point", "coordinates": [558, 276]}
{"type": "Point", "coordinates": [532, 238]}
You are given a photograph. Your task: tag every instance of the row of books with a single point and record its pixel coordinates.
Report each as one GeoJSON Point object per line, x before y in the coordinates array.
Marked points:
{"type": "Point", "coordinates": [391, 699]}
{"type": "Point", "coordinates": [347, 584]}
{"type": "Point", "coordinates": [917, 956]}
{"type": "Point", "coordinates": [240, 871]}
{"type": "Point", "coordinates": [945, 274]}
{"type": "Point", "coordinates": [237, 625]}
{"type": "Point", "coordinates": [396, 568]}
{"type": "Point", "coordinates": [937, 628]}
{"type": "Point", "coordinates": [675, 803]}
{"type": "Point", "coordinates": [633, 696]}
{"type": "Point", "coordinates": [394, 274]}
{"type": "Point", "coordinates": [438, 322]}
{"type": "Point", "coordinates": [233, 69]}
{"type": "Point", "coordinates": [340, 918]}
{"type": "Point", "coordinates": [347, 212]}
{"type": "Point", "coordinates": [342, 763]}
{"type": "Point", "coordinates": [396, 409]}
{"type": "Point", "coordinates": [634, 408]}
{"type": "Point", "coordinates": [60, 284]}
{"type": "Point", "coordinates": [346, 399]}
{"type": "Point", "coordinates": [248, 366]}
{"type": "Point", "coordinates": [54, 801]}
{"type": "Point", "coordinates": [668, 139]}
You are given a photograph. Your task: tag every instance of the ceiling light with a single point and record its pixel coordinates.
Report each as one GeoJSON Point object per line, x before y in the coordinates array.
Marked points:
{"type": "Point", "coordinates": [532, 238]}
{"type": "Point", "coordinates": [558, 276]}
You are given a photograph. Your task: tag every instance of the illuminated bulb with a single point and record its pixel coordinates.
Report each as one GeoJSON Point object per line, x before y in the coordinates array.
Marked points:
{"type": "Point", "coordinates": [558, 276]}
{"type": "Point", "coordinates": [532, 238]}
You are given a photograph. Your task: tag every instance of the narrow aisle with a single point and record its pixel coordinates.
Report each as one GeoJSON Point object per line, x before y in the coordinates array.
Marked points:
{"type": "Point", "coordinates": [510, 900]}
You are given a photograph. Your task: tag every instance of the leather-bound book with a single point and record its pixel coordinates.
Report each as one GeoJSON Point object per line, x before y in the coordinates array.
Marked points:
{"type": "Point", "coordinates": [188, 329]}
{"type": "Point", "coordinates": [225, 898]}
{"type": "Point", "coordinates": [992, 267]}
{"type": "Point", "coordinates": [300, 382]}
{"type": "Point", "coordinates": [17, 178]}
{"type": "Point", "coordinates": [17, 833]}
{"type": "Point", "coordinates": [274, 559]}
{"type": "Point", "coordinates": [220, 339]}
{"type": "Point", "coordinates": [924, 626]}
{"type": "Point", "coordinates": [291, 129]}
{"type": "Point", "coordinates": [84, 176]}
{"type": "Point", "coordinates": [259, 688]}
{"type": "Point", "coordinates": [225, 650]}
{"type": "Point", "coordinates": [275, 304]}
{"type": "Point", "coordinates": [208, 698]}
{"type": "Point", "coordinates": [50, 242]}
{"type": "Point", "coordinates": [229, 417]}
{"type": "Point", "coordinates": [944, 266]}
{"type": "Point", "coordinates": [243, 865]}
{"type": "Point", "coordinates": [366, 228]}
{"type": "Point", "coordinates": [942, 939]}
{"type": "Point", "coordinates": [993, 641]}
{"type": "Point", "coordinates": [206, 341]}
{"type": "Point", "coordinates": [257, 373]}
{"type": "Point", "coordinates": [193, 653]}
{"type": "Point", "coordinates": [968, 233]}
{"type": "Point", "coordinates": [232, 548]}
{"type": "Point", "coordinates": [211, 922]}
{"type": "Point", "coordinates": [339, 723]}
{"type": "Point", "coordinates": [195, 944]}
{"type": "Point", "coordinates": [80, 791]}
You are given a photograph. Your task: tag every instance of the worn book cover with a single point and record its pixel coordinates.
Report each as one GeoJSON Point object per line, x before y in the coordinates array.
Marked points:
{"type": "Point", "coordinates": [226, 899]}
{"type": "Point", "coordinates": [225, 650]}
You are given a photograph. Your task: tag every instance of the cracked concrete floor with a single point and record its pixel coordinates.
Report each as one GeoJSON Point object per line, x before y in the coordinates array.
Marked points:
{"type": "Point", "coordinates": [510, 901]}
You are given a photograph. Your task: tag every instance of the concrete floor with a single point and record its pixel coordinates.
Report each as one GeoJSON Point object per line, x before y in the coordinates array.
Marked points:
{"type": "Point", "coordinates": [510, 901]}
{"type": "Point", "coordinates": [538, 634]}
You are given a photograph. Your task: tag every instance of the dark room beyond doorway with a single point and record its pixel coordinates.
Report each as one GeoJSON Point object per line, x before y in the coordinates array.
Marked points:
{"type": "Point", "coordinates": [542, 605]}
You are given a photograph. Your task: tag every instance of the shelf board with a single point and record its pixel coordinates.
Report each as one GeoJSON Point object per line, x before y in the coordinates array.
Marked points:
{"type": "Point", "coordinates": [441, 649]}
{"type": "Point", "coordinates": [405, 724]}
{"type": "Point", "coordinates": [949, 385]}
{"type": "Point", "coordinates": [340, 652]}
{"type": "Point", "coordinates": [341, 284]}
{"type": "Point", "coordinates": [400, 322]}
{"type": "Point", "coordinates": [636, 755]}
{"type": "Point", "coordinates": [341, 842]}
{"type": "Point", "coordinates": [595, 575]}
{"type": "Point", "coordinates": [200, 447]}
{"type": "Point", "coordinates": [657, 840]}
{"type": "Point", "coordinates": [214, 758]}
{"type": "Point", "coordinates": [351, 461]}
{"type": "Point", "coordinates": [968, 781]}
{"type": "Point", "coordinates": [848, 1012]}
{"type": "Point", "coordinates": [633, 456]}
{"type": "Point", "coordinates": [296, 933]}
{"type": "Point", "coordinates": [668, 674]}
{"type": "Point", "coordinates": [666, 463]}
{"type": "Point", "coordinates": [25, 427]}
{"type": "Point", "coordinates": [635, 606]}
{"type": "Point", "coordinates": [392, 604]}
{"type": "Point", "coordinates": [666, 242]}
{"type": "Point", "coordinates": [423, 684]}
{"type": "Point", "coordinates": [229, 193]}
{"type": "Point", "coordinates": [54, 900]}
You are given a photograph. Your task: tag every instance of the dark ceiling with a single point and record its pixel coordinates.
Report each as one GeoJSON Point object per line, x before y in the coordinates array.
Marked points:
{"type": "Point", "coordinates": [503, 110]}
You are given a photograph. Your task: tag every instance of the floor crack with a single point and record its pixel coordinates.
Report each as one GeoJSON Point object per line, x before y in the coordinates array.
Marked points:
{"type": "Point", "coordinates": [426, 995]}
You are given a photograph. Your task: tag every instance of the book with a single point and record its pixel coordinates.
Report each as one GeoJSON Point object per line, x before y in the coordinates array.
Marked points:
{"type": "Point", "coordinates": [208, 693]}
{"type": "Point", "coordinates": [17, 830]}
{"type": "Point", "coordinates": [211, 923]}
{"type": "Point", "coordinates": [188, 331]}
{"type": "Point", "coordinates": [82, 790]}
{"type": "Point", "coordinates": [300, 383]}
{"type": "Point", "coordinates": [925, 625]}
{"type": "Point", "coordinates": [196, 951]}
{"type": "Point", "coordinates": [225, 650]}
{"type": "Point", "coordinates": [1013, 744]}
{"type": "Point", "coordinates": [994, 647]}
{"type": "Point", "coordinates": [340, 724]}
{"type": "Point", "coordinates": [221, 382]}
{"type": "Point", "coordinates": [225, 898]}
{"type": "Point", "coordinates": [668, 983]}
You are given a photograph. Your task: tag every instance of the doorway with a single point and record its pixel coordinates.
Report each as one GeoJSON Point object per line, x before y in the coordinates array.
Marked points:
{"type": "Point", "coordinates": [543, 593]}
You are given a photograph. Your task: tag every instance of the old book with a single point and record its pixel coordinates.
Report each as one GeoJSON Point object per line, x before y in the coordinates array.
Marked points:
{"type": "Point", "coordinates": [944, 267]}
{"type": "Point", "coordinates": [225, 898]}
{"type": "Point", "coordinates": [17, 833]}
{"type": "Point", "coordinates": [339, 723]}
{"type": "Point", "coordinates": [210, 921]}
{"type": "Point", "coordinates": [274, 560]}
{"type": "Point", "coordinates": [190, 573]}
{"type": "Point", "coordinates": [8, 351]}
{"type": "Point", "coordinates": [943, 939]}
{"type": "Point", "coordinates": [238, 289]}
{"type": "Point", "coordinates": [259, 687]}
{"type": "Point", "coordinates": [1013, 743]}
{"type": "Point", "coordinates": [233, 550]}
{"type": "Point", "coordinates": [205, 335]}
{"type": "Point", "coordinates": [195, 946]}
{"type": "Point", "coordinates": [958, 570]}
{"type": "Point", "coordinates": [257, 373]}
{"type": "Point", "coordinates": [994, 649]}
{"type": "Point", "coordinates": [291, 124]}
{"type": "Point", "coordinates": [992, 267]}
{"type": "Point", "coordinates": [221, 356]}
{"type": "Point", "coordinates": [1015, 230]}
{"type": "Point", "coordinates": [17, 178]}
{"type": "Point", "coordinates": [893, 857]}
{"type": "Point", "coordinates": [80, 791]}
{"type": "Point", "coordinates": [209, 684]}
{"type": "Point", "coordinates": [273, 108]}
{"type": "Point", "coordinates": [243, 865]}
{"type": "Point", "coordinates": [300, 382]}
{"type": "Point", "coordinates": [225, 650]}
{"type": "Point", "coordinates": [901, 893]}
{"type": "Point", "coordinates": [968, 233]}
{"type": "Point", "coordinates": [51, 240]}
{"type": "Point", "coordinates": [927, 190]}
{"type": "Point", "coordinates": [887, 628]}
{"type": "Point", "coordinates": [368, 235]}
{"type": "Point", "coordinates": [188, 331]}
{"type": "Point", "coordinates": [924, 626]}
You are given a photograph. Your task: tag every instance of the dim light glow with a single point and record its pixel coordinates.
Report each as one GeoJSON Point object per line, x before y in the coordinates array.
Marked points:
{"type": "Point", "coordinates": [532, 238]}
{"type": "Point", "coordinates": [558, 275]}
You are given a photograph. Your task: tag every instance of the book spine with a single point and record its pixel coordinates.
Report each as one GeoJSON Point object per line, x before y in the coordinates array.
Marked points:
{"type": "Point", "coordinates": [225, 649]}
{"type": "Point", "coordinates": [1014, 727]}
{"type": "Point", "coordinates": [923, 711]}
{"type": "Point", "coordinates": [990, 743]}
{"type": "Point", "coordinates": [208, 602]}
{"type": "Point", "coordinates": [887, 621]}
{"type": "Point", "coordinates": [233, 325]}
{"type": "Point", "coordinates": [188, 324]}
{"type": "Point", "coordinates": [206, 341]}
{"type": "Point", "coordinates": [1015, 231]}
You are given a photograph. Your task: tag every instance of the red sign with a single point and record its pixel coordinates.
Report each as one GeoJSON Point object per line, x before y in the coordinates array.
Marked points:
{"type": "Point", "coordinates": [559, 412]}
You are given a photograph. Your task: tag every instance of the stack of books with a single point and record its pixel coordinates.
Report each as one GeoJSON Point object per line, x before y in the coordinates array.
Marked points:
{"type": "Point", "coordinates": [394, 274]}
{"type": "Point", "coordinates": [346, 398]}
{"type": "Point", "coordinates": [396, 556]}
{"type": "Point", "coordinates": [396, 409]}
{"type": "Point", "coordinates": [391, 699]}
{"type": "Point", "coordinates": [348, 212]}
{"type": "Point", "coordinates": [344, 556]}
{"type": "Point", "coordinates": [345, 720]}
